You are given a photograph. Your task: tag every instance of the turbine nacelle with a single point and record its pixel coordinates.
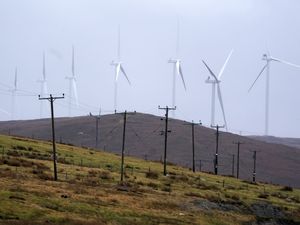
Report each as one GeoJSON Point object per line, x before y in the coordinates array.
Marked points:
{"type": "Point", "coordinates": [68, 78]}
{"type": "Point", "coordinates": [116, 63]}
{"type": "Point", "coordinates": [212, 81]}
{"type": "Point", "coordinates": [174, 61]}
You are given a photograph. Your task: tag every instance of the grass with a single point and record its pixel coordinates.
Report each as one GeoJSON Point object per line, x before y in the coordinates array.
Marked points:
{"type": "Point", "coordinates": [89, 190]}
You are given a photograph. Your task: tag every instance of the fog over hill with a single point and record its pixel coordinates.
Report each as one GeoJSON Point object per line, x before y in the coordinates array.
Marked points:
{"type": "Point", "coordinates": [276, 163]}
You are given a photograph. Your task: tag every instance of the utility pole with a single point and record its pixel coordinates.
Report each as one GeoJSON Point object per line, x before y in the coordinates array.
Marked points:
{"type": "Point", "coordinates": [238, 158]}
{"type": "Point", "coordinates": [200, 165]}
{"type": "Point", "coordinates": [123, 143]}
{"type": "Point", "coordinates": [51, 99]}
{"type": "Point", "coordinates": [254, 166]}
{"type": "Point", "coordinates": [97, 127]}
{"type": "Point", "coordinates": [193, 142]}
{"type": "Point", "coordinates": [217, 147]}
{"type": "Point", "coordinates": [97, 130]}
{"type": "Point", "coordinates": [166, 135]}
{"type": "Point", "coordinates": [232, 168]}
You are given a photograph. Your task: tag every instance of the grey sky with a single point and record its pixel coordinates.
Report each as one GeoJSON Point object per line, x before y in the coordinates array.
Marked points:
{"type": "Point", "coordinates": [209, 30]}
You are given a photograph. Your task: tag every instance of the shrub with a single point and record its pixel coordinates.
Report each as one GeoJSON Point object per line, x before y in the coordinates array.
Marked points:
{"type": "Point", "coordinates": [152, 174]}
{"type": "Point", "coordinates": [193, 194]}
{"type": "Point", "coordinates": [44, 176]}
{"type": "Point", "coordinates": [153, 185]}
{"type": "Point", "coordinates": [263, 195]}
{"type": "Point", "coordinates": [287, 188]}
{"type": "Point", "coordinates": [105, 175]}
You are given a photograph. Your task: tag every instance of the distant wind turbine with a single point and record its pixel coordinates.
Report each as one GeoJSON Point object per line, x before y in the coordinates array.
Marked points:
{"type": "Point", "coordinates": [268, 58]}
{"type": "Point", "coordinates": [177, 70]}
{"type": "Point", "coordinates": [216, 81]}
{"type": "Point", "coordinates": [72, 85]}
{"type": "Point", "coordinates": [13, 94]}
{"type": "Point", "coordinates": [43, 81]}
{"type": "Point", "coordinates": [118, 68]}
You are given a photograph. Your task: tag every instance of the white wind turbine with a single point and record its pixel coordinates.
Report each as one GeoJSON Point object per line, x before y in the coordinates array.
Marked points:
{"type": "Point", "coordinates": [44, 89]}
{"type": "Point", "coordinates": [118, 68]}
{"type": "Point", "coordinates": [216, 81]}
{"type": "Point", "coordinates": [177, 70]}
{"type": "Point", "coordinates": [13, 95]}
{"type": "Point", "coordinates": [72, 85]}
{"type": "Point", "coordinates": [268, 58]}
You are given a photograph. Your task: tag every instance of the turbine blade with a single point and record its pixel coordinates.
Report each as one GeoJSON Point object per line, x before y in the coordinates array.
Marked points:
{"type": "Point", "coordinates": [73, 63]}
{"type": "Point", "coordinates": [179, 71]}
{"type": "Point", "coordinates": [221, 103]}
{"type": "Point", "coordinates": [4, 111]}
{"type": "Point", "coordinates": [123, 71]}
{"type": "Point", "coordinates": [119, 42]}
{"type": "Point", "coordinates": [225, 64]}
{"type": "Point", "coordinates": [260, 73]}
{"type": "Point", "coordinates": [285, 62]}
{"type": "Point", "coordinates": [118, 66]}
{"type": "Point", "coordinates": [178, 37]}
{"type": "Point", "coordinates": [45, 89]}
{"type": "Point", "coordinates": [44, 66]}
{"type": "Point", "coordinates": [75, 91]}
{"type": "Point", "coordinates": [210, 71]}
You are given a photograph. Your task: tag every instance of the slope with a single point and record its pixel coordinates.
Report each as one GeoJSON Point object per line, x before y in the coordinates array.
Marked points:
{"type": "Point", "coordinates": [275, 163]}
{"type": "Point", "coordinates": [89, 192]}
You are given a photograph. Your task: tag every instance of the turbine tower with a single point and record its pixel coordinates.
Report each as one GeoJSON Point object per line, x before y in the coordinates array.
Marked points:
{"type": "Point", "coordinates": [215, 81]}
{"type": "Point", "coordinates": [177, 70]}
{"type": "Point", "coordinates": [268, 58]}
{"type": "Point", "coordinates": [13, 95]}
{"type": "Point", "coordinates": [118, 68]}
{"type": "Point", "coordinates": [43, 81]}
{"type": "Point", "coordinates": [72, 85]}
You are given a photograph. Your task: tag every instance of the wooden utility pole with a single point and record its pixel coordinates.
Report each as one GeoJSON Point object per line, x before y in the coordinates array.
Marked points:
{"type": "Point", "coordinates": [167, 109]}
{"type": "Point", "coordinates": [238, 158]}
{"type": "Point", "coordinates": [217, 147]}
{"type": "Point", "coordinates": [123, 142]}
{"type": "Point", "coordinates": [232, 167]}
{"type": "Point", "coordinates": [254, 167]}
{"type": "Point", "coordinates": [51, 99]}
{"type": "Point", "coordinates": [193, 143]}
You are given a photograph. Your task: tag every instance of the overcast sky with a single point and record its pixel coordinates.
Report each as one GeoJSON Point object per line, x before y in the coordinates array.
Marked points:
{"type": "Point", "coordinates": [209, 29]}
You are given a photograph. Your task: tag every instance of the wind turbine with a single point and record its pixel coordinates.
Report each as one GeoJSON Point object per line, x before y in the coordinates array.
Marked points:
{"type": "Point", "coordinates": [13, 94]}
{"type": "Point", "coordinates": [268, 58]}
{"type": "Point", "coordinates": [43, 81]}
{"type": "Point", "coordinates": [72, 85]}
{"type": "Point", "coordinates": [118, 68]}
{"type": "Point", "coordinates": [177, 70]}
{"type": "Point", "coordinates": [216, 82]}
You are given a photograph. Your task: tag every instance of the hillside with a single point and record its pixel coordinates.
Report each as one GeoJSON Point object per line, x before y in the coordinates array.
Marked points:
{"type": "Point", "coordinates": [88, 191]}
{"type": "Point", "coordinates": [277, 164]}
{"type": "Point", "coordinates": [292, 142]}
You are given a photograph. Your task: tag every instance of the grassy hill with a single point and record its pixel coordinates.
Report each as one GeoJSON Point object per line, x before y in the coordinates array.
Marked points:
{"type": "Point", "coordinates": [89, 191]}
{"type": "Point", "coordinates": [276, 163]}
